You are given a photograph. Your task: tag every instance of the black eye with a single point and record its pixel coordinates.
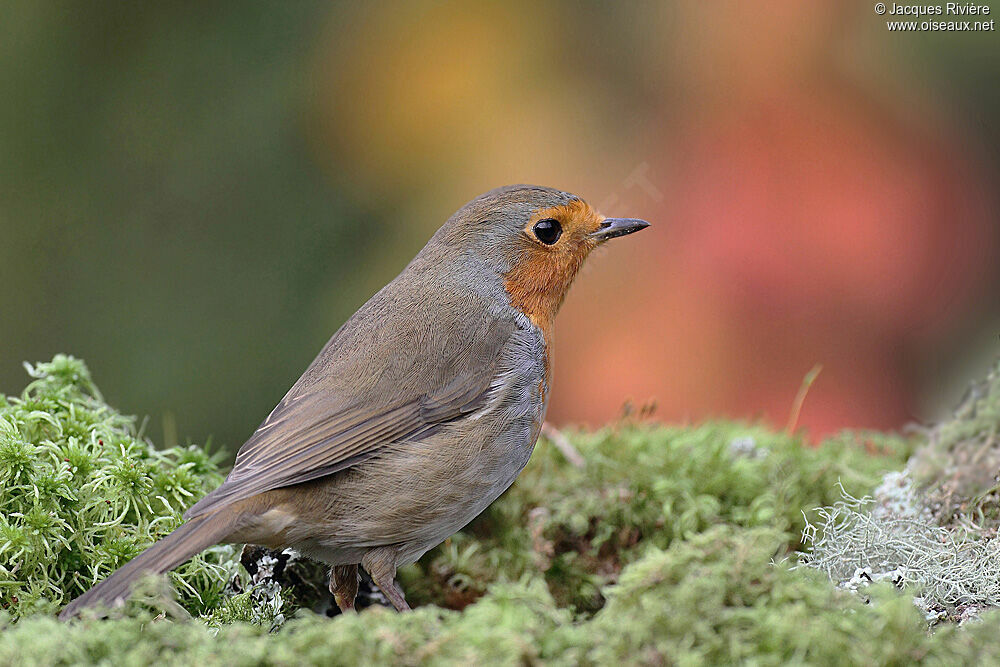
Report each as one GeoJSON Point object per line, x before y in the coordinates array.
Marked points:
{"type": "Point", "coordinates": [547, 231]}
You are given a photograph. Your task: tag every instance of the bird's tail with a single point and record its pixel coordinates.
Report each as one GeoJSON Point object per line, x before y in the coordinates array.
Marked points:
{"type": "Point", "coordinates": [189, 539]}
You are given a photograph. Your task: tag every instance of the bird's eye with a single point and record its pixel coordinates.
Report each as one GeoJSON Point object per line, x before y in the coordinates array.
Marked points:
{"type": "Point", "coordinates": [547, 231]}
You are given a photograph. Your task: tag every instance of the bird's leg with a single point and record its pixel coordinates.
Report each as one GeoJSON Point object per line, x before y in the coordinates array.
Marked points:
{"type": "Point", "coordinates": [381, 565]}
{"type": "Point", "coordinates": [344, 586]}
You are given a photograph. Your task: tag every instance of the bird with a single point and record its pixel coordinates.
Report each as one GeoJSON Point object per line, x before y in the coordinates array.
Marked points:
{"type": "Point", "coordinates": [417, 414]}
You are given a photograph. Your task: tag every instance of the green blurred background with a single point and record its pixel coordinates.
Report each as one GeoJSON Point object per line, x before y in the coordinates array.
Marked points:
{"type": "Point", "coordinates": [194, 196]}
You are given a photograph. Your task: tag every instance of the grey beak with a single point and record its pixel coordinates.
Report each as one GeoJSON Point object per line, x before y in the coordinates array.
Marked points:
{"type": "Point", "coordinates": [614, 227]}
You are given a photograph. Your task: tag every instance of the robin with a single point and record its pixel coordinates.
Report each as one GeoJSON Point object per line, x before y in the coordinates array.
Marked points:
{"type": "Point", "coordinates": [417, 414]}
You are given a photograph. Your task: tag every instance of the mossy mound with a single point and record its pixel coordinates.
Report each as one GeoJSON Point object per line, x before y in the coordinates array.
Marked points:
{"type": "Point", "coordinates": [81, 494]}
{"type": "Point", "coordinates": [933, 526]}
{"type": "Point", "coordinates": [644, 487]}
{"type": "Point", "coordinates": [668, 545]}
{"type": "Point", "coordinates": [714, 598]}
{"type": "Point", "coordinates": [958, 471]}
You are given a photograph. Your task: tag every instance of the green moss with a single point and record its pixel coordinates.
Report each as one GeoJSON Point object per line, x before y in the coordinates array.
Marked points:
{"type": "Point", "coordinates": [714, 598]}
{"type": "Point", "coordinates": [645, 486]}
{"type": "Point", "coordinates": [956, 471]}
{"type": "Point", "coordinates": [81, 493]}
{"type": "Point", "coordinates": [933, 525]}
{"type": "Point", "coordinates": [670, 545]}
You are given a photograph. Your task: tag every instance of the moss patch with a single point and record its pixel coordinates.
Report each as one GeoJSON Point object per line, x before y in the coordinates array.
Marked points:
{"type": "Point", "coordinates": [958, 471]}
{"type": "Point", "coordinates": [714, 598]}
{"type": "Point", "coordinates": [933, 526]}
{"type": "Point", "coordinates": [670, 545]}
{"type": "Point", "coordinates": [81, 493]}
{"type": "Point", "coordinates": [644, 487]}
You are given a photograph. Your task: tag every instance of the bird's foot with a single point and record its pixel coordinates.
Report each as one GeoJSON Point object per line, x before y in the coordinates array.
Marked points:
{"type": "Point", "coordinates": [381, 565]}
{"type": "Point", "coordinates": [344, 586]}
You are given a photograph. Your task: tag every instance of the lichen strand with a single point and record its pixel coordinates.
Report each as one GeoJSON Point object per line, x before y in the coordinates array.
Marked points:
{"type": "Point", "coordinates": [931, 527]}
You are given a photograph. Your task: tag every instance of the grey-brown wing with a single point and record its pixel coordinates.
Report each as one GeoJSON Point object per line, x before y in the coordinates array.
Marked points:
{"type": "Point", "coordinates": [318, 430]}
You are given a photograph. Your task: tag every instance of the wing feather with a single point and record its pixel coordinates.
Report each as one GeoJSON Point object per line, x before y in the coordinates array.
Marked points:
{"type": "Point", "coordinates": [312, 433]}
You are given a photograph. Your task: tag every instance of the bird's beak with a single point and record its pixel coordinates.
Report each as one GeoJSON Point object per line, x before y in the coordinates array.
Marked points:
{"type": "Point", "coordinates": [614, 227]}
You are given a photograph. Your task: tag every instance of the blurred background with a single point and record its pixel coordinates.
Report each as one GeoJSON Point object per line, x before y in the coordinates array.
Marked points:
{"type": "Point", "coordinates": [194, 196]}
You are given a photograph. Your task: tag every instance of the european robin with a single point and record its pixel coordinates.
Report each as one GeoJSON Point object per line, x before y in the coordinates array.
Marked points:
{"type": "Point", "coordinates": [416, 415]}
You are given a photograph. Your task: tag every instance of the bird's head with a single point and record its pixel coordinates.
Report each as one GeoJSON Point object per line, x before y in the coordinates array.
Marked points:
{"type": "Point", "coordinates": [535, 238]}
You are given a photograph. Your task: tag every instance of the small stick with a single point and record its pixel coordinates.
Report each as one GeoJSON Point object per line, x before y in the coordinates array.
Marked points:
{"type": "Point", "coordinates": [800, 397]}
{"type": "Point", "coordinates": [562, 443]}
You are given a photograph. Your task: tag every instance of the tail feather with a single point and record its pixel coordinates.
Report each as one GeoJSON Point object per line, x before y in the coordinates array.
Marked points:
{"type": "Point", "coordinates": [189, 539]}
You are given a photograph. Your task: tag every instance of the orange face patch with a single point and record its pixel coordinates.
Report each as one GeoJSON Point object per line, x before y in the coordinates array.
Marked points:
{"type": "Point", "coordinates": [538, 283]}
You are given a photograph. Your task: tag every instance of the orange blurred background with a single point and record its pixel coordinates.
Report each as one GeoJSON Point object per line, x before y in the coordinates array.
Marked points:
{"type": "Point", "coordinates": [812, 204]}
{"type": "Point", "coordinates": [822, 191]}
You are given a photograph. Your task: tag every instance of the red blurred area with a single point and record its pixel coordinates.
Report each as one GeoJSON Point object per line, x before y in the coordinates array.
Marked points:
{"type": "Point", "coordinates": [810, 204]}
{"type": "Point", "coordinates": [794, 234]}
{"type": "Point", "coordinates": [800, 220]}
